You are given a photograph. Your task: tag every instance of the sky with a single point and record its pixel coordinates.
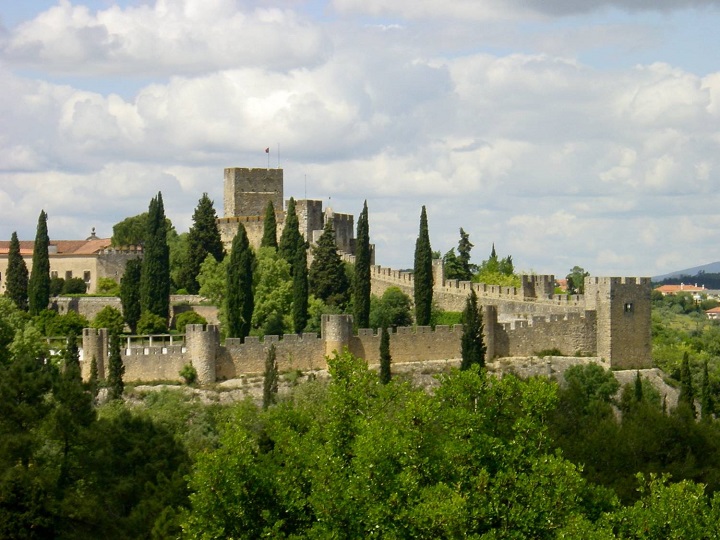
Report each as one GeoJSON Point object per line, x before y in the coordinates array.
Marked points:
{"type": "Point", "coordinates": [564, 132]}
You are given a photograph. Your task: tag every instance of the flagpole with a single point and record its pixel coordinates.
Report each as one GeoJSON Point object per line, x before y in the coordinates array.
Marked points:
{"type": "Point", "coordinates": [278, 156]}
{"type": "Point", "coordinates": [267, 151]}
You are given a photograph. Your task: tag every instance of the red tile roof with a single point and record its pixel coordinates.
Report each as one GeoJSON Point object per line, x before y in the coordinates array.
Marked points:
{"type": "Point", "coordinates": [673, 289]}
{"type": "Point", "coordinates": [61, 247]}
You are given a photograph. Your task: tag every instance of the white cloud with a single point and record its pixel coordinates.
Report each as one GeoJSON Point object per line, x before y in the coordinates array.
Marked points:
{"type": "Point", "coordinates": [183, 36]}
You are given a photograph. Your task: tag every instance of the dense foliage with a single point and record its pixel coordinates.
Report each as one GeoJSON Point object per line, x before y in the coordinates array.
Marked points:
{"type": "Point", "coordinates": [472, 345]}
{"type": "Point", "coordinates": [130, 293]}
{"type": "Point", "coordinates": [326, 278]}
{"type": "Point", "coordinates": [290, 240]}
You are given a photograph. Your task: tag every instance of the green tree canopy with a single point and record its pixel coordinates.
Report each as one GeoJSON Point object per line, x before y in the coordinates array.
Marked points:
{"type": "Point", "coordinates": [392, 309]}
{"type": "Point", "coordinates": [272, 313]}
{"type": "Point", "coordinates": [576, 280]}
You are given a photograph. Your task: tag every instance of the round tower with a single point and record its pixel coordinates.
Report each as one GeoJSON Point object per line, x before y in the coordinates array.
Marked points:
{"type": "Point", "coordinates": [94, 345]}
{"type": "Point", "coordinates": [202, 345]}
{"type": "Point", "coordinates": [336, 331]}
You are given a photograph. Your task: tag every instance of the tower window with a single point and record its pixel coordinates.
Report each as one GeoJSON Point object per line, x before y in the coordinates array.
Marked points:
{"type": "Point", "coordinates": [628, 307]}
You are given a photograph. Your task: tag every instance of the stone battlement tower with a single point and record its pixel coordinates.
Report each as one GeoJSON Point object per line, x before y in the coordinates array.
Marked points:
{"type": "Point", "coordinates": [247, 191]}
{"type": "Point", "coordinates": [623, 319]}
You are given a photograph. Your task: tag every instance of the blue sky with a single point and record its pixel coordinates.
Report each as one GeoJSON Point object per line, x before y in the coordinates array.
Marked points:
{"type": "Point", "coordinates": [567, 137]}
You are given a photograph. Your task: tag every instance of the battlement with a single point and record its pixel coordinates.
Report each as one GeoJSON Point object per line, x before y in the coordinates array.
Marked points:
{"type": "Point", "coordinates": [618, 280]}
{"type": "Point", "coordinates": [241, 219]}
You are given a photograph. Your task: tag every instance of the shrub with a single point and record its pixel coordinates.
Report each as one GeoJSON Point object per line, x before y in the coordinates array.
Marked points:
{"type": "Point", "coordinates": [549, 352]}
{"type": "Point", "coordinates": [189, 374]}
{"type": "Point", "coordinates": [188, 317]}
{"type": "Point", "coordinates": [150, 323]}
{"type": "Point", "coordinates": [56, 285]}
{"type": "Point", "coordinates": [74, 285]}
{"type": "Point", "coordinates": [108, 286]}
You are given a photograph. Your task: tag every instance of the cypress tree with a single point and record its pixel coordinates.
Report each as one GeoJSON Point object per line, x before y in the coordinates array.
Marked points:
{"type": "Point", "coordinates": [16, 280]}
{"type": "Point", "coordinates": [74, 410]}
{"type": "Point", "coordinates": [300, 291]}
{"type": "Point", "coordinates": [638, 388]}
{"type": "Point", "coordinates": [706, 398]}
{"type": "Point", "coordinates": [385, 358]}
{"type": "Point", "coordinates": [290, 240]}
{"type": "Point", "coordinates": [687, 394]}
{"type": "Point", "coordinates": [116, 369]}
{"type": "Point", "coordinates": [130, 293]}
{"type": "Point", "coordinates": [93, 381]}
{"type": "Point", "coordinates": [270, 380]}
{"type": "Point", "coordinates": [239, 300]}
{"type": "Point", "coordinates": [203, 240]}
{"type": "Point", "coordinates": [423, 275]}
{"type": "Point", "coordinates": [269, 238]}
{"type": "Point", "coordinates": [472, 343]}
{"type": "Point", "coordinates": [39, 283]}
{"type": "Point", "coordinates": [155, 278]}
{"type": "Point", "coordinates": [327, 277]}
{"type": "Point", "coordinates": [361, 285]}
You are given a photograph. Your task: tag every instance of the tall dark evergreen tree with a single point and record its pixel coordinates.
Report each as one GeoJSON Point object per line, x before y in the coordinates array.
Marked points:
{"type": "Point", "coordinates": [385, 358]}
{"type": "Point", "coordinates": [472, 341]}
{"type": "Point", "coordinates": [423, 274]}
{"type": "Point", "coordinates": [638, 390]}
{"type": "Point", "coordinates": [130, 293]}
{"type": "Point", "coordinates": [73, 411]}
{"type": "Point", "coordinates": [155, 279]}
{"type": "Point", "coordinates": [16, 279]}
{"type": "Point", "coordinates": [361, 284]}
{"type": "Point", "coordinates": [706, 396]}
{"type": "Point", "coordinates": [464, 248]}
{"type": "Point", "coordinates": [290, 240]}
{"type": "Point", "coordinates": [239, 300]}
{"type": "Point", "coordinates": [300, 291]}
{"type": "Point", "coordinates": [269, 238]}
{"type": "Point", "coordinates": [687, 394]}
{"type": "Point", "coordinates": [327, 277]}
{"type": "Point", "coordinates": [270, 380]}
{"type": "Point", "coordinates": [116, 370]}
{"type": "Point", "coordinates": [203, 240]}
{"type": "Point", "coordinates": [39, 283]}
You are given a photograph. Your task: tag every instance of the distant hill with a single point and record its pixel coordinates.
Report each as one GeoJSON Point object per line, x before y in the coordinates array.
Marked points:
{"type": "Point", "coordinates": [707, 274]}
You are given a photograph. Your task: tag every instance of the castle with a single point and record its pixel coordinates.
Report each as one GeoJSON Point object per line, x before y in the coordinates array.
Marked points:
{"type": "Point", "coordinates": [610, 322]}
{"type": "Point", "coordinates": [246, 193]}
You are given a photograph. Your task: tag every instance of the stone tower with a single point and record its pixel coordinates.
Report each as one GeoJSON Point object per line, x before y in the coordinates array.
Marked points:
{"type": "Point", "coordinates": [336, 330]}
{"type": "Point", "coordinates": [94, 344]}
{"type": "Point", "coordinates": [247, 191]}
{"type": "Point", "coordinates": [622, 306]}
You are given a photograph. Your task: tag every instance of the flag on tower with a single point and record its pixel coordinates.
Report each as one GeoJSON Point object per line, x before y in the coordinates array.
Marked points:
{"type": "Point", "coordinates": [267, 150]}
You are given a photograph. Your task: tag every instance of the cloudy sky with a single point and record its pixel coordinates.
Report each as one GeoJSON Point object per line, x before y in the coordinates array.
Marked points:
{"type": "Point", "coordinates": [567, 132]}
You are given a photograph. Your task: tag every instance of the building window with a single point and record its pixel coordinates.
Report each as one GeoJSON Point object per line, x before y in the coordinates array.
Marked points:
{"type": "Point", "coordinates": [628, 307]}
{"type": "Point", "coordinates": [86, 276]}
{"type": "Point", "coordinates": [53, 274]}
{"type": "Point", "coordinates": [68, 274]}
